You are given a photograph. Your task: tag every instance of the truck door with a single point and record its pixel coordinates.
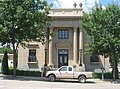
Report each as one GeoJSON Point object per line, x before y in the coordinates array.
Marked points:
{"type": "Point", "coordinates": [62, 73]}
{"type": "Point", "coordinates": [70, 72]}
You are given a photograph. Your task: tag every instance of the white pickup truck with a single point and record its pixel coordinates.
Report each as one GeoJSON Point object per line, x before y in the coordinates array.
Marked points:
{"type": "Point", "coordinates": [67, 72]}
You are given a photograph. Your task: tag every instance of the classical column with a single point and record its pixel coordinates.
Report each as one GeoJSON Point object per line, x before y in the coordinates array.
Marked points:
{"type": "Point", "coordinates": [50, 49]}
{"type": "Point", "coordinates": [75, 51]}
{"type": "Point", "coordinates": [81, 46]}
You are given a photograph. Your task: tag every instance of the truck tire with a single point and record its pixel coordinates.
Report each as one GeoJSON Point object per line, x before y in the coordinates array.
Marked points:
{"type": "Point", "coordinates": [52, 78]}
{"type": "Point", "coordinates": [82, 79]}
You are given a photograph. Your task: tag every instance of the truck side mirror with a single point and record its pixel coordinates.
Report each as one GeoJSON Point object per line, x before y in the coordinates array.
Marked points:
{"type": "Point", "coordinates": [59, 69]}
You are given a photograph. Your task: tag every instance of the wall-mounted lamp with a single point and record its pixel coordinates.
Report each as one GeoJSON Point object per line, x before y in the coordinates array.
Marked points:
{"type": "Point", "coordinates": [45, 57]}
{"type": "Point", "coordinates": [80, 50]}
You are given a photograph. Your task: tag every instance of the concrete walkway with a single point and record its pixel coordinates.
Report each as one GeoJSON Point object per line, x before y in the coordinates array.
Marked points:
{"type": "Point", "coordinates": [10, 77]}
{"type": "Point", "coordinates": [2, 76]}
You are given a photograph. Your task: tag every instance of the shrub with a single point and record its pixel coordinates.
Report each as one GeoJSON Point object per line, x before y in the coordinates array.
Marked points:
{"type": "Point", "coordinates": [5, 68]}
{"type": "Point", "coordinates": [107, 75]}
{"type": "Point", "coordinates": [25, 73]}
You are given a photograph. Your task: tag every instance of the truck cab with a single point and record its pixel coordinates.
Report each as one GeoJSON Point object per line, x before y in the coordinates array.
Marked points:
{"type": "Point", "coordinates": [65, 72]}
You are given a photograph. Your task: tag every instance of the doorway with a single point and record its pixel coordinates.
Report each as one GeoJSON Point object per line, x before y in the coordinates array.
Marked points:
{"type": "Point", "coordinates": [62, 57]}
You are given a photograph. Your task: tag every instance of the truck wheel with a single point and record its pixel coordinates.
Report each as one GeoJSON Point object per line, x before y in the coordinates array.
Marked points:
{"type": "Point", "coordinates": [82, 79]}
{"type": "Point", "coordinates": [52, 78]}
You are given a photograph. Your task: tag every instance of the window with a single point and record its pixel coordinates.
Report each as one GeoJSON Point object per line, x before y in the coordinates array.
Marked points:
{"type": "Point", "coordinates": [32, 55]}
{"type": "Point", "coordinates": [63, 34]}
{"type": "Point", "coordinates": [63, 51]}
{"type": "Point", "coordinates": [63, 69]}
{"type": "Point", "coordinates": [70, 69]}
{"type": "Point", "coordinates": [94, 58]}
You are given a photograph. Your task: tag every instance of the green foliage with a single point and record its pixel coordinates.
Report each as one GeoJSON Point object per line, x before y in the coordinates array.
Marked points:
{"type": "Point", "coordinates": [102, 26]}
{"type": "Point", "coordinates": [9, 50]}
{"type": "Point", "coordinates": [103, 29]}
{"type": "Point", "coordinates": [25, 73]}
{"type": "Point", "coordinates": [21, 21]}
{"type": "Point", "coordinates": [107, 75]}
{"type": "Point", "coordinates": [5, 68]}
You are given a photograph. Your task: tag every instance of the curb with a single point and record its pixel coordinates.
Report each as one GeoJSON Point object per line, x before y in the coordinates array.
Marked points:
{"type": "Point", "coordinates": [23, 77]}
{"type": "Point", "coordinates": [107, 81]}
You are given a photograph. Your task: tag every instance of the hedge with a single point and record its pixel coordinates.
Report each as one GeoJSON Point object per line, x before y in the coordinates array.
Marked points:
{"type": "Point", "coordinates": [4, 67]}
{"type": "Point", "coordinates": [107, 75]}
{"type": "Point", "coordinates": [25, 73]}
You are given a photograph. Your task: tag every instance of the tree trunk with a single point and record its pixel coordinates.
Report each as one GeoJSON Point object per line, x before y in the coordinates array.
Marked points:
{"type": "Point", "coordinates": [14, 60]}
{"type": "Point", "coordinates": [115, 70]}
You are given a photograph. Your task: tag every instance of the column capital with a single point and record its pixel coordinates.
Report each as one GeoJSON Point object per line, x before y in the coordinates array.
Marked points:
{"type": "Point", "coordinates": [75, 27]}
{"type": "Point", "coordinates": [51, 27]}
{"type": "Point", "coordinates": [80, 30]}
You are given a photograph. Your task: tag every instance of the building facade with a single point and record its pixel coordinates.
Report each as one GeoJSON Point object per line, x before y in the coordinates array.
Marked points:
{"type": "Point", "coordinates": [67, 47]}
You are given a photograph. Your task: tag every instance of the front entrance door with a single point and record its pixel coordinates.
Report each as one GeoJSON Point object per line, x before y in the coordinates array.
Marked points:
{"type": "Point", "coordinates": [62, 57]}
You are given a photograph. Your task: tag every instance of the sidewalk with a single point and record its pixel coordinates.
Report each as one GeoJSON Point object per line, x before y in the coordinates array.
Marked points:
{"type": "Point", "coordinates": [10, 77]}
{"type": "Point", "coordinates": [2, 76]}
{"type": "Point", "coordinates": [117, 81]}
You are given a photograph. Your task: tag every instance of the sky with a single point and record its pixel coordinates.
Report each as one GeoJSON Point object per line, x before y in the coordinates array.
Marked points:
{"type": "Point", "coordinates": [86, 3]}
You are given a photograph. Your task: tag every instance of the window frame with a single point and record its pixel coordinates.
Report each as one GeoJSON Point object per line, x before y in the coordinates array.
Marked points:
{"type": "Point", "coordinates": [69, 68]}
{"type": "Point", "coordinates": [62, 69]}
{"type": "Point", "coordinates": [63, 34]}
{"type": "Point", "coordinates": [93, 58]}
{"type": "Point", "coordinates": [33, 59]}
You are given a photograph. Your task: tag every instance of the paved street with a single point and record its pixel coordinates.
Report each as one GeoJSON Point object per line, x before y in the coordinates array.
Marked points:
{"type": "Point", "coordinates": [39, 84]}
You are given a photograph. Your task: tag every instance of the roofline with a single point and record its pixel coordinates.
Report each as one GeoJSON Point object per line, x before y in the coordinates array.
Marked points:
{"type": "Point", "coordinates": [67, 17]}
{"type": "Point", "coordinates": [66, 8]}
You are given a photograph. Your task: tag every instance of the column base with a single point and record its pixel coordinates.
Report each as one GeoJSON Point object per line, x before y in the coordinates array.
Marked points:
{"type": "Point", "coordinates": [79, 68]}
{"type": "Point", "coordinates": [51, 65]}
{"type": "Point", "coordinates": [80, 64]}
{"type": "Point", "coordinates": [75, 65]}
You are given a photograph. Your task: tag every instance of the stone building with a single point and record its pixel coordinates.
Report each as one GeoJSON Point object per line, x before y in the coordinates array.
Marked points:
{"type": "Point", "coordinates": [67, 47]}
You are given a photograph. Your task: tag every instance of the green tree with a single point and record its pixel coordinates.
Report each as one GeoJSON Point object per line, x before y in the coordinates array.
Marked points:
{"type": "Point", "coordinates": [5, 68]}
{"type": "Point", "coordinates": [103, 29]}
{"type": "Point", "coordinates": [3, 49]}
{"type": "Point", "coordinates": [23, 21]}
